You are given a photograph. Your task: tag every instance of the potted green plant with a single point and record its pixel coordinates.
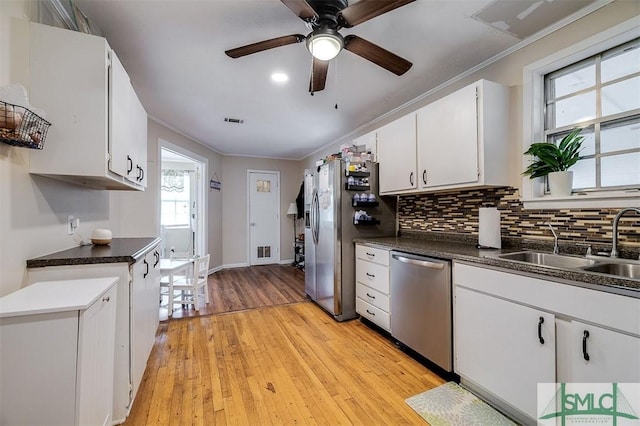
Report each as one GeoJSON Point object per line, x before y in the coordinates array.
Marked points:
{"type": "Point", "coordinates": [554, 161]}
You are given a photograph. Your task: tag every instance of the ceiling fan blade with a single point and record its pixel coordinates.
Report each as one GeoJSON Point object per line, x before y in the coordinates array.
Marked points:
{"type": "Point", "coordinates": [318, 75]}
{"type": "Point", "coordinates": [364, 10]}
{"type": "Point", "coordinates": [265, 45]}
{"type": "Point", "coordinates": [301, 8]}
{"type": "Point", "coordinates": [376, 54]}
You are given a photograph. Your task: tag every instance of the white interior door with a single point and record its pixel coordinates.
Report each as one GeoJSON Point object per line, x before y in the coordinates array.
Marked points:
{"type": "Point", "coordinates": [264, 218]}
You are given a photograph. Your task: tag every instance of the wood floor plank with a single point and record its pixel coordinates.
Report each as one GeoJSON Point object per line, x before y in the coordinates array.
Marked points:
{"type": "Point", "coordinates": [247, 288]}
{"type": "Point", "coordinates": [268, 356]}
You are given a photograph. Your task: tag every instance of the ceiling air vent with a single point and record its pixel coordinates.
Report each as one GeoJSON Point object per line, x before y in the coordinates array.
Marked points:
{"type": "Point", "coordinates": [233, 120]}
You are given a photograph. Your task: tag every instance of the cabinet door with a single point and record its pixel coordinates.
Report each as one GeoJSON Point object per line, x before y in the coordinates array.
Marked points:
{"type": "Point", "coordinates": [69, 81]}
{"type": "Point", "coordinates": [498, 346]}
{"type": "Point", "coordinates": [139, 130]}
{"type": "Point", "coordinates": [120, 141]}
{"type": "Point", "coordinates": [612, 356]}
{"type": "Point", "coordinates": [95, 361]}
{"type": "Point", "coordinates": [145, 306]}
{"type": "Point", "coordinates": [138, 335]}
{"type": "Point", "coordinates": [397, 155]}
{"type": "Point", "coordinates": [447, 138]}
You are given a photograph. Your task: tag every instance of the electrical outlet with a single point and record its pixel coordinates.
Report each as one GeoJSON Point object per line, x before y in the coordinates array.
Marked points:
{"type": "Point", "coordinates": [70, 223]}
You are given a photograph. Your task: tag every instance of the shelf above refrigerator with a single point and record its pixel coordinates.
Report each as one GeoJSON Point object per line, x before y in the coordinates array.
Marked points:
{"type": "Point", "coordinates": [364, 203]}
{"type": "Point", "coordinates": [351, 187]}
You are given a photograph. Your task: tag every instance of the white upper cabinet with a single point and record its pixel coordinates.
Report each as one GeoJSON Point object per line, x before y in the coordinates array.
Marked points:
{"type": "Point", "coordinates": [462, 138]}
{"type": "Point", "coordinates": [397, 155]}
{"type": "Point", "coordinates": [458, 141]}
{"type": "Point", "coordinates": [98, 133]}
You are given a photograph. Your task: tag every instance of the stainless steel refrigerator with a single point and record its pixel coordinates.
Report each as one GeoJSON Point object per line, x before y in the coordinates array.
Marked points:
{"type": "Point", "coordinates": [331, 226]}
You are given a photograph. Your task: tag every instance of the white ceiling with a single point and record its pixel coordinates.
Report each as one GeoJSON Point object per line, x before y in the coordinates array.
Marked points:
{"type": "Point", "coordinates": [174, 54]}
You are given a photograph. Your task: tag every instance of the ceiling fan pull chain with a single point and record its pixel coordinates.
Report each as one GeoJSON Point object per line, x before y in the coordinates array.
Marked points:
{"type": "Point", "coordinates": [337, 92]}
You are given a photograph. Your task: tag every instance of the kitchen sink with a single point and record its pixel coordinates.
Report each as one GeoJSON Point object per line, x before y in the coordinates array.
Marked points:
{"type": "Point", "coordinates": [548, 259]}
{"type": "Point", "coordinates": [626, 270]}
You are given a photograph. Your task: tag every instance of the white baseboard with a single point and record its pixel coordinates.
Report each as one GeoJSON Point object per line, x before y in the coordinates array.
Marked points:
{"type": "Point", "coordinates": [234, 265]}
{"type": "Point", "coordinates": [243, 265]}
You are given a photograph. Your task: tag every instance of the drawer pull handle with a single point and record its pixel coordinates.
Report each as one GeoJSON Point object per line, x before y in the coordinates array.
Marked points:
{"type": "Point", "coordinates": [371, 254]}
{"type": "Point", "coordinates": [540, 338]}
{"type": "Point", "coordinates": [106, 299]}
{"type": "Point", "coordinates": [370, 275]}
{"type": "Point", "coordinates": [585, 354]}
{"type": "Point", "coordinates": [371, 313]}
{"type": "Point", "coordinates": [370, 296]}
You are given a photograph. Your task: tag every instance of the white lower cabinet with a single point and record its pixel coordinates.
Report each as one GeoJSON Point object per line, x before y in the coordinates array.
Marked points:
{"type": "Point", "coordinates": [501, 319]}
{"type": "Point", "coordinates": [372, 285]}
{"type": "Point", "coordinates": [505, 347]}
{"type": "Point", "coordinates": [137, 318]}
{"type": "Point", "coordinates": [145, 291]}
{"type": "Point", "coordinates": [599, 355]}
{"type": "Point", "coordinates": [56, 362]}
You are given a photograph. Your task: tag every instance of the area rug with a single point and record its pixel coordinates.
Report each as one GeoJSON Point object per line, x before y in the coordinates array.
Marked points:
{"type": "Point", "coordinates": [450, 404]}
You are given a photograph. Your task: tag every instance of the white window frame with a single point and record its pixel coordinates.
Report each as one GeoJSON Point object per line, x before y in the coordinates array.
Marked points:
{"type": "Point", "coordinates": [532, 194]}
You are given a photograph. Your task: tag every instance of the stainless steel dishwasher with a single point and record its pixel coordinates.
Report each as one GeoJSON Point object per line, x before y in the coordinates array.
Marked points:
{"type": "Point", "coordinates": [421, 306]}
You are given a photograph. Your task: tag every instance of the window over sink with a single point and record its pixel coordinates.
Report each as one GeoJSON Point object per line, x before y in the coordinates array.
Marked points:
{"type": "Point", "coordinates": [594, 85]}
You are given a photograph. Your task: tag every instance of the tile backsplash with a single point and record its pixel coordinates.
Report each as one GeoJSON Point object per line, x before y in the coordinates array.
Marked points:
{"type": "Point", "coordinates": [457, 212]}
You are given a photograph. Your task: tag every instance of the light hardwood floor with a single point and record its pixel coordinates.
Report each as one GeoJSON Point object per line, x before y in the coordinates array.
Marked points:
{"type": "Point", "coordinates": [247, 288]}
{"type": "Point", "coordinates": [289, 364]}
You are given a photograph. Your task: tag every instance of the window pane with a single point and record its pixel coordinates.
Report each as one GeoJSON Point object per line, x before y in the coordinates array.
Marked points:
{"type": "Point", "coordinates": [167, 212]}
{"type": "Point", "coordinates": [575, 109]}
{"type": "Point", "coordinates": [182, 213]}
{"type": "Point", "coordinates": [624, 63]}
{"type": "Point", "coordinates": [618, 170]}
{"type": "Point", "coordinates": [572, 82]}
{"type": "Point", "coordinates": [621, 136]}
{"type": "Point", "coordinates": [620, 97]}
{"type": "Point", "coordinates": [584, 173]}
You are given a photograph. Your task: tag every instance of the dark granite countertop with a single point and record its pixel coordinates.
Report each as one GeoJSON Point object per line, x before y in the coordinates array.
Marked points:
{"type": "Point", "coordinates": [121, 250]}
{"type": "Point", "coordinates": [468, 252]}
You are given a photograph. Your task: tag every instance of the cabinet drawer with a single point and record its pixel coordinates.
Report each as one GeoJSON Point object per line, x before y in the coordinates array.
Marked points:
{"type": "Point", "coordinates": [373, 297]}
{"type": "Point", "coordinates": [373, 275]}
{"type": "Point", "coordinates": [371, 254]}
{"type": "Point", "coordinates": [373, 314]}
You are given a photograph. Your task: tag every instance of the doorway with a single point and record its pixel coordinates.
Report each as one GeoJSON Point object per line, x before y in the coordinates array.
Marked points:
{"type": "Point", "coordinates": [182, 202]}
{"type": "Point", "coordinates": [264, 217]}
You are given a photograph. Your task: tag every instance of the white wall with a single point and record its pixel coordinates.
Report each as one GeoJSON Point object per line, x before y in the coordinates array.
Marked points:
{"type": "Point", "coordinates": [213, 199]}
{"type": "Point", "coordinates": [508, 71]}
{"type": "Point", "coordinates": [234, 201]}
{"type": "Point", "coordinates": [34, 209]}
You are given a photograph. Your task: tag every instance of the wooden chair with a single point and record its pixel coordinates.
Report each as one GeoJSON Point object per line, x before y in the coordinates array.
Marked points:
{"type": "Point", "coordinates": [188, 290]}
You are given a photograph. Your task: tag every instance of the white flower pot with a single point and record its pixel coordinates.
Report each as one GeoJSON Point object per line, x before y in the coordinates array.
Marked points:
{"type": "Point", "coordinates": [560, 183]}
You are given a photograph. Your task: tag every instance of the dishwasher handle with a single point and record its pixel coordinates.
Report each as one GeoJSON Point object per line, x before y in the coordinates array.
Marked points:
{"type": "Point", "coordinates": [423, 263]}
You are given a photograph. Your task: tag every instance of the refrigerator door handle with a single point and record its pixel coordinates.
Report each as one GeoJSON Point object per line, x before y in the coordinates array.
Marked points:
{"type": "Point", "coordinates": [314, 216]}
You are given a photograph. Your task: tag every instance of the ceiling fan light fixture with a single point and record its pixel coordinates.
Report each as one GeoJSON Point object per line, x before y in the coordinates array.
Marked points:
{"type": "Point", "coordinates": [325, 45]}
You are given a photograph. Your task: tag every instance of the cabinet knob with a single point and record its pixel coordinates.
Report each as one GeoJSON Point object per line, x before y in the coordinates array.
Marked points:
{"type": "Point", "coordinates": [370, 296]}
{"type": "Point", "coordinates": [411, 178]}
{"type": "Point", "coordinates": [373, 314]}
{"type": "Point", "coordinates": [106, 299]}
{"type": "Point", "coordinates": [129, 164]}
{"type": "Point", "coordinates": [371, 254]}
{"type": "Point", "coordinates": [370, 275]}
{"type": "Point", "coordinates": [424, 176]}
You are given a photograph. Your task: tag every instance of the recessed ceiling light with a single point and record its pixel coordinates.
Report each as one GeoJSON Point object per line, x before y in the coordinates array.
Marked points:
{"type": "Point", "coordinates": [279, 77]}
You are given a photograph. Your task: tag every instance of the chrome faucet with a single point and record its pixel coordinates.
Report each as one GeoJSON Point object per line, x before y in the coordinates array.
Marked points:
{"type": "Point", "coordinates": [614, 249]}
{"type": "Point", "coordinates": [555, 238]}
